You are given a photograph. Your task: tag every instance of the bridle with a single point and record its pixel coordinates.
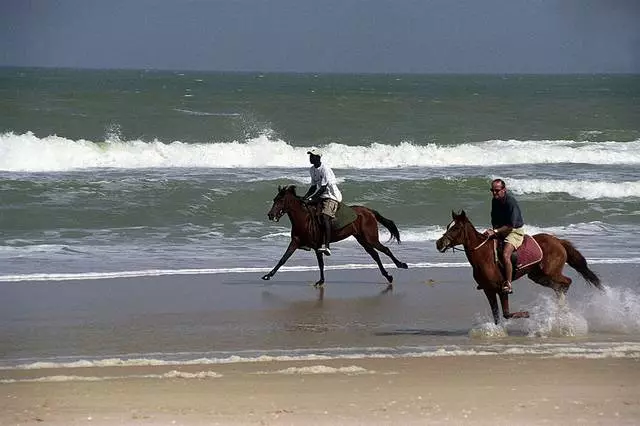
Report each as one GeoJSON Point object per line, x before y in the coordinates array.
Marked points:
{"type": "Point", "coordinates": [464, 232]}
{"type": "Point", "coordinates": [285, 206]}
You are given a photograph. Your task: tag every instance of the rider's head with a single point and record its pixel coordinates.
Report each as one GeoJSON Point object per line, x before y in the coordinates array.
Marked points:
{"type": "Point", "coordinates": [498, 189]}
{"type": "Point", "coordinates": [314, 156]}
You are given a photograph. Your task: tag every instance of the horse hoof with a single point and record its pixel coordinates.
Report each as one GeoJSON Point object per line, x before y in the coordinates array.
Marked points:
{"type": "Point", "coordinates": [403, 265]}
{"type": "Point", "coordinates": [389, 278]}
{"type": "Point", "coordinates": [319, 284]}
{"type": "Point", "coordinates": [266, 277]}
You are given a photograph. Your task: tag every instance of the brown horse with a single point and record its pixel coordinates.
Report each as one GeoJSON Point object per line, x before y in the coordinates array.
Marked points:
{"type": "Point", "coordinates": [305, 232]}
{"type": "Point", "coordinates": [488, 275]}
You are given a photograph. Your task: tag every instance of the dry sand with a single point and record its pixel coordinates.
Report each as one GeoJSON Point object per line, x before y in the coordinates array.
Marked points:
{"type": "Point", "coordinates": [473, 390]}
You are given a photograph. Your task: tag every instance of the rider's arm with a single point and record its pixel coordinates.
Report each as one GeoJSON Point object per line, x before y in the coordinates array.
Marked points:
{"type": "Point", "coordinates": [312, 190]}
{"type": "Point", "coordinates": [319, 190]}
{"type": "Point", "coordinates": [503, 230]}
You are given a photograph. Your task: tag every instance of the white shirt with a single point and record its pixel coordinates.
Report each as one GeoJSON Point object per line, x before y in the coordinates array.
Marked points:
{"type": "Point", "coordinates": [323, 175]}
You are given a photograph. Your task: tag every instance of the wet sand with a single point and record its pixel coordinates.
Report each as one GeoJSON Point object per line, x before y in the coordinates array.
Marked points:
{"type": "Point", "coordinates": [474, 390]}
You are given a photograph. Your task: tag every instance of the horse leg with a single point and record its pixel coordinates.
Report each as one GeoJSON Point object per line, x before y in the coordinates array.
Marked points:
{"type": "Point", "coordinates": [493, 302]}
{"type": "Point", "coordinates": [504, 301]}
{"type": "Point", "coordinates": [293, 245]}
{"type": "Point", "coordinates": [374, 254]}
{"type": "Point", "coordinates": [384, 249]}
{"type": "Point", "coordinates": [558, 283]}
{"type": "Point", "coordinates": [561, 286]}
{"type": "Point", "coordinates": [320, 282]}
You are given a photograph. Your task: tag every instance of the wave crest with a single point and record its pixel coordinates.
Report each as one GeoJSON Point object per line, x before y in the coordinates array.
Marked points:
{"type": "Point", "coordinates": [27, 152]}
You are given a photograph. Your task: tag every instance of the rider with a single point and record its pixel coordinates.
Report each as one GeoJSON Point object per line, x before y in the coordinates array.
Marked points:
{"type": "Point", "coordinates": [506, 220]}
{"type": "Point", "coordinates": [323, 187]}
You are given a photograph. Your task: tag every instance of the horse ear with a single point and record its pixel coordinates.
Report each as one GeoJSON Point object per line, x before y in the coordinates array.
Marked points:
{"type": "Point", "coordinates": [462, 213]}
{"type": "Point", "coordinates": [279, 188]}
{"type": "Point", "coordinates": [453, 215]}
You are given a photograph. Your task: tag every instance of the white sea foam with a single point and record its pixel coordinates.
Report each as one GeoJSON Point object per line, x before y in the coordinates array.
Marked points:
{"type": "Point", "coordinates": [28, 249]}
{"type": "Point", "coordinates": [589, 190]}
{"type": "Point", "coordinates": [205, 113]}
{"type": "Point", "coordinates": [320, 369]}
{"type": "Point", "coordinates": [174, 374]}
{"type": "Point", "coordinates": [27, 152]}
{"type": "Point", "coordinates": [585, 350]}
{"type": "Point", "coordinates": [242, 270]}
{"type": "Point", "coordinates": [204, 271]}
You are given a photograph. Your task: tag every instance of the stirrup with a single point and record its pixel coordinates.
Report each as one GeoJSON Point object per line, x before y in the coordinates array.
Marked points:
{"type": "Point", "coordinates": [507, 288]}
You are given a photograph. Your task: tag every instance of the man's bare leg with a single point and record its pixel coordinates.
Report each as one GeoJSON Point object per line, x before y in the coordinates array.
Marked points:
{"type": "Point", "coordinates": [508, 268]}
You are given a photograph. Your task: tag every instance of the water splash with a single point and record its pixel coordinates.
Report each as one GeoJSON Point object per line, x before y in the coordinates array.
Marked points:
{"type": "Point", "coordinates": [484, 328]}
{"type": "Point", "coordinates": [550, 317]}
{"type": "Point", "coordinates": [616, 310]}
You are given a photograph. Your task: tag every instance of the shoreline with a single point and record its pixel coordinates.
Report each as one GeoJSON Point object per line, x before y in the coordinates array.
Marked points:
{"type": "Point", "coordinates": [520, 389]}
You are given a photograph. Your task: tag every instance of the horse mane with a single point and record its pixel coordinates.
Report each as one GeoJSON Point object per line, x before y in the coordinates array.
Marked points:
{"type": "Point", "coordinates": [313, 224]}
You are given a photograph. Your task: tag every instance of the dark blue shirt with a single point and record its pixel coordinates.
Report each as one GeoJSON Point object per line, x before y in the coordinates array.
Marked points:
{"type": "Point", "coordinates": [506, 213]}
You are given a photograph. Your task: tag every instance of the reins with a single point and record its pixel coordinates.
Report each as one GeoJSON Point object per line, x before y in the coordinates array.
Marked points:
{"type": "Point", "coordinates": [454, 248]}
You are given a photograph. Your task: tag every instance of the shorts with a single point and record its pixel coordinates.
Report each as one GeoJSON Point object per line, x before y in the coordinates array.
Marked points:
{"type": "Point", "coordinates": [329, 207]}
{"type": "Point", "coordinates": [515, 237]}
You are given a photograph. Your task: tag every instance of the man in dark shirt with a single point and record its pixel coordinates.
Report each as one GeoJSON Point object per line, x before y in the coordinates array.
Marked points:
{"type": "Point", "coordinates": [507, 223]}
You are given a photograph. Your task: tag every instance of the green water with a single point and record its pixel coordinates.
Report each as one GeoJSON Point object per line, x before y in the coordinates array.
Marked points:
{"type": "Point", "coordinates": [308, 109]}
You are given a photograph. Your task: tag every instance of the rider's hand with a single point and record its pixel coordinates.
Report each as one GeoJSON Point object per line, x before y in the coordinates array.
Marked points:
{"type": "Point", "coordinates": [489, 233]}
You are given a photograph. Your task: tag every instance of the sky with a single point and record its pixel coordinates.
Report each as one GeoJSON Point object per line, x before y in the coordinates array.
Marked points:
{"type": "Point", "coordinates": [379, 36]}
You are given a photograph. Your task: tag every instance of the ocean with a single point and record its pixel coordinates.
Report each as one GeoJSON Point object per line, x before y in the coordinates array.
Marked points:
{"type": "Point", "coordinates": [133, 223]}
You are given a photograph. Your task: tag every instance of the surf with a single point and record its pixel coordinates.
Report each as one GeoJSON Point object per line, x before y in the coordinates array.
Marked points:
{"type": "Point", "coordinates": [29, 153]}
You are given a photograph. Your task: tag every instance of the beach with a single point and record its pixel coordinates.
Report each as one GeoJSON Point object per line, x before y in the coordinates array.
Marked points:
{"type": "Point", "coordinates": [323, 361]}
{"type": "Point", "coordinates": [524, 390]}
{"type": "Point", "coordinates": [134, 235]}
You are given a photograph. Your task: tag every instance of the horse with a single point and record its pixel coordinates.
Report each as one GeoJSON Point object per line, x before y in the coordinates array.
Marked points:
{"type": "Point", "coordinates": [306, 234]}
{"type": "Point", "coordinates": [487, 272]}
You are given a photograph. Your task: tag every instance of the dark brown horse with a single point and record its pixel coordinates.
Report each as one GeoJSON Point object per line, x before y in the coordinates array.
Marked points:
{"type": "Point", "coordinates": [488, 275]}
{"type": "Point", "coordinates": [305, 231]}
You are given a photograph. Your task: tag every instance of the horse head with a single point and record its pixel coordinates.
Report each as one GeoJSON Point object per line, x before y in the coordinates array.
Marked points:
{"type": "Point", "coordinates": [455, 234]}
{"type": "Point", "coordinates": [282, 202]}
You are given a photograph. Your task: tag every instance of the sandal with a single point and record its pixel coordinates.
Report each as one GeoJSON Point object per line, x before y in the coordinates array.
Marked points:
{"type": "Point", "coordinates": [506, 287]}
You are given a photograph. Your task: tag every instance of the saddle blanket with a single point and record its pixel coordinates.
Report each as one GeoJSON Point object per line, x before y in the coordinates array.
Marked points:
{"type": "Point", "coordinates": [528, 253]}
{"type": "Point", "coordinates": [345, 215]}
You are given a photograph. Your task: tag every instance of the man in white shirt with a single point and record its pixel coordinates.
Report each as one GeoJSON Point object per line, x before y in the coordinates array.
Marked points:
{"type": "Point", "coordinates": [324, 189]}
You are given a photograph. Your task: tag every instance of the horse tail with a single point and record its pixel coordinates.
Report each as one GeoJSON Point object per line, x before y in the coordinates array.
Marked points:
{"type": "Point", "coordinates": [576, 260]}
{"type": "Point", "coordinates": [389, 224]}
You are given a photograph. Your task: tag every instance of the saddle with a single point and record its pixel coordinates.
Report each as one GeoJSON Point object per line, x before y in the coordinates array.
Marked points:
{"type": "Point", "coordinates": [345, 215]}
{"type": "Point", "coordinates": [529, 253]}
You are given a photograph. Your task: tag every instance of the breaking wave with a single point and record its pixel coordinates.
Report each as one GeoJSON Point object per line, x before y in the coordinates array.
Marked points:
{"type": "Point", "coordinates": [29, 153]}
